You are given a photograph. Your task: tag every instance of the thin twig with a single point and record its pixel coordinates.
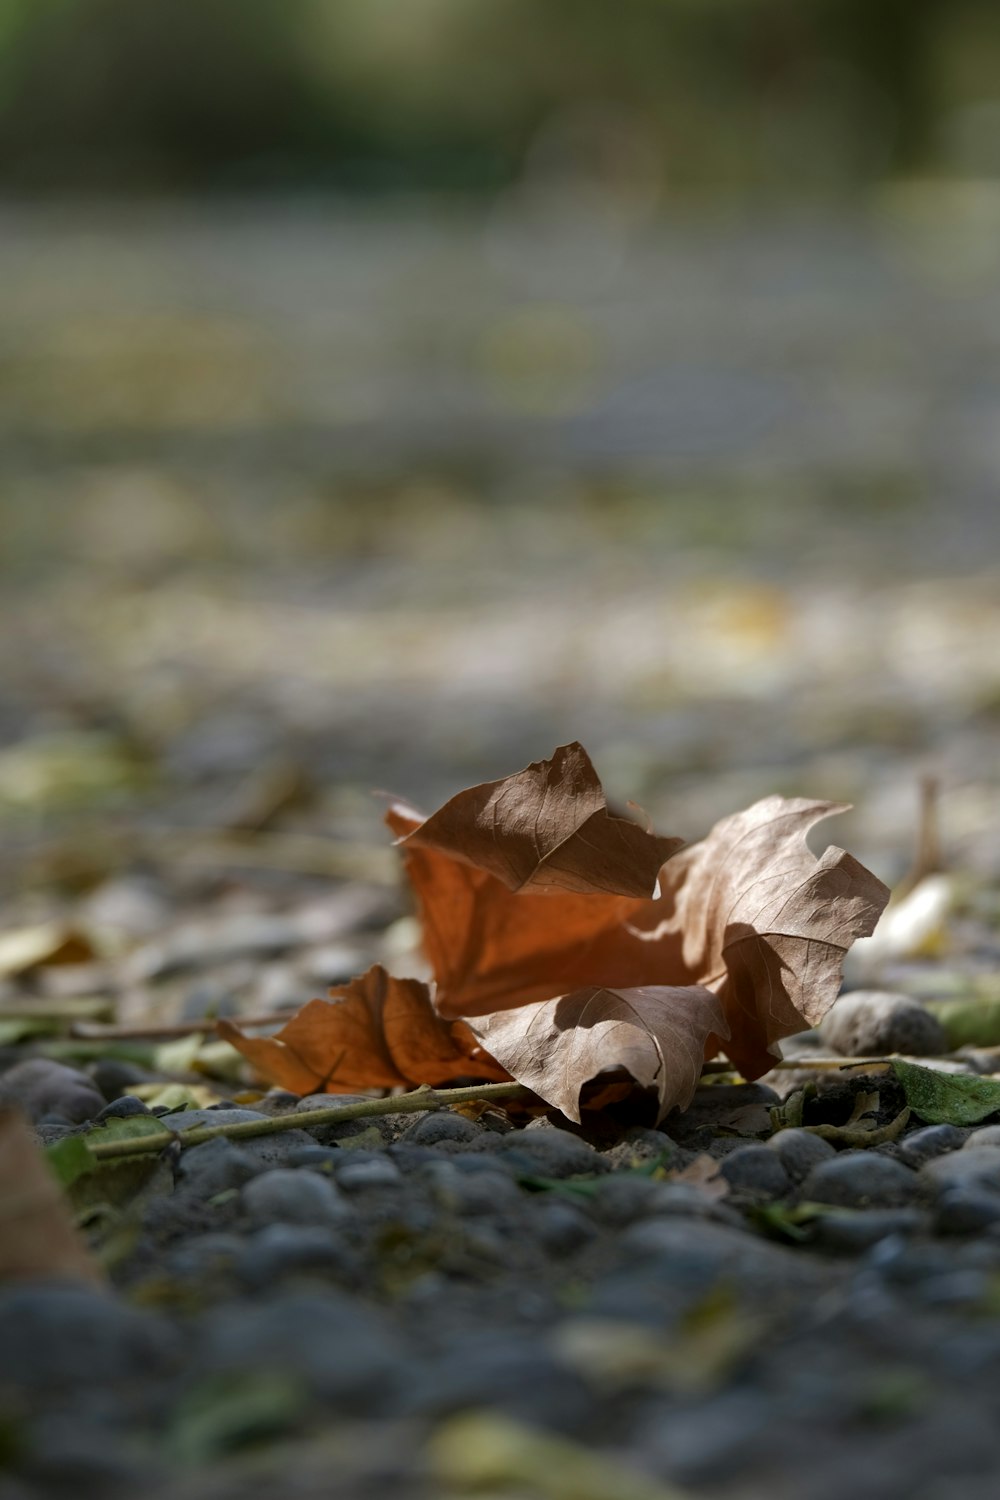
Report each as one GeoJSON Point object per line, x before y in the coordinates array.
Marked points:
{"type": "Point", "coordinates": [401, 1104]}
{"type": "Point", "coordinates": [89, 1031]}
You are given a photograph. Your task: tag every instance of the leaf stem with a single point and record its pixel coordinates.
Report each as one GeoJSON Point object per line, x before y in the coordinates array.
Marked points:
{"type": "Point", "coordinates": [400, 1104]}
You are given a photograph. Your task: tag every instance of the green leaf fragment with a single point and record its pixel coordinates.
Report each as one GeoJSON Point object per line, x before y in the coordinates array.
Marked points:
{"type": "Point", "coordinates": [70, 1158]}
{"type": "Point", "coordinates": [969, 1023]}
{"type": "Point", "coordinates": [947, 1098]}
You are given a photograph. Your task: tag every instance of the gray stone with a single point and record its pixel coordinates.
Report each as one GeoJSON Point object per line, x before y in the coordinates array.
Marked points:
{"type": "Point", "coordinates": [966, 1210]}
{"type": "Point", "coordinates": [799, 1151]}
{"type": "Point", "coordinates": [493, 1191]}
{"type": "Point", "coordinates": [854, 1231]}
{"type": "Point", "coordinates": [283, 1249]}
{"type": "Point", "coordinates": [857, 1179]}
{"type": "Point", "coordinates": [72, 1456]}
{"type": "Point", "coordinates": [378, 1173]}
{"type": "Point", "coordinates": [216, 1166]}
{"type": "Point", "coordinates": [933, 1140]}
{"type": "Point", "coordinates": [954, 1289]}
{"type": "Point", "coordinates": [549, 1152]}
{"type": "Point", "coordinates": [40, 1087]}
{"type": "Point", "coordinates": [509, 1372]}
{"type": "Point", "coordinates": [985, 1135]}
{"type": "Point", "coordinates": [708, 1442]}
{"type": "Point", "coordinates": [204, 1255]}
{"type": "Point", "coordinates": [112, 1075]}
{"type": "Point", "coordinates": [123, 1109]}
{"type": "Point", "coordinates": [292, 1196]}
{"type": "Point", "coordinates": [873, 1022]}
{"type": "Point", "coordinates": [973, 1166]}
{"type": "Point", "coordinates": [711, 1250]}
{"type": "Point", "coordinates": [756, 1171]}
{"type": "Point", "coordinates": [56, 1334]}
{"type": "Point", "coordinates": [440, 1128]}
{"type": "Point", "coordinates": [620, 1199]}
{"type": "Point", "coordinates": [560, 1228]}
{"type": "Point", "coordinates": [340, 1349]}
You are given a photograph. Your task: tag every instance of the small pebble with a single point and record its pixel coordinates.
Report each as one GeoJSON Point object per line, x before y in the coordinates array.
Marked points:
{"type": "Point", "coordinates": [800, 1151]}
{"type": "Point", "coordinates": [280, 1250]}
{"type": "Point", "coordinates": [56, 1333]}
{"type": "Point", "coordinates": [977, 1166]}
{"type": "Point", "coordinates": [215, 1167]}
{"type": "Point", "coordinates": [757, 1171]}
{"type": "Point", "coordinates": [40, 1087]}
{"type": "Point", "coordinates": [857, 1179]}
{"type": "Point", "coordinates": [292, 1196]}
{"type": "Point", "coordinates": [442, 1127]}
{"type": "Point", "coordinates": [620, 1199]}
{"type": "Point", "coordinates": [854, 1232]}
{"type": "Point", "coordinates": [560, 1227]}
{"type": "Point", "coordinates": [123, 1108]}
{"type": "Point", "coordinates": [549, 1153]}
{"type": "Point", "coordinates": [966, 1210]}
{"type": "Point", "coordinates": [986, 1135]}
{"type": "Point", "coordinates": [869, 1023]}
{"type": "Point", "coordinates": [341, 1349]}
{"type": "Point", "coordinates": [932, 1140]}
{"type": "Point", "coordinates": [113, 1076]}
{"type": "Point", "coordinates": [476, 1193]}
{"type": "Point", "coordinates": [354, 1175]}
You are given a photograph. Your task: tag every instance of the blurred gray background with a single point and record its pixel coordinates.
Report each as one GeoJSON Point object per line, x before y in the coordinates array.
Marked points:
{"type": "Point", "coordinates": [391, 391]}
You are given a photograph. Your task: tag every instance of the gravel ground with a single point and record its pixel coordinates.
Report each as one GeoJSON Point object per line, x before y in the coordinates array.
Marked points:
{"type": "Point", "coordinates": [379, 1295]}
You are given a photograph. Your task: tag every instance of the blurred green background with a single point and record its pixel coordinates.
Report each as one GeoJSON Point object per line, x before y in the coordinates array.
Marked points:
{"type": "Point", "coordinates": [392, 389]}
{"type": "Point", "coordinates": [382, 95]}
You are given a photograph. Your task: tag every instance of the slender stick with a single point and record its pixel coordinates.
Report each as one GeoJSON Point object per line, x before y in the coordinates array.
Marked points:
{"type": "Point", "coordinates": [94, 1032]}
{"type": "Point", "coordinates": [401, 1104]}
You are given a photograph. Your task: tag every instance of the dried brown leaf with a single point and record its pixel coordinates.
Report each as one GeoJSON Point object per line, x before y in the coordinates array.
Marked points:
{"type": "Point", "coordinates": [749, 913]}
{"type": "Point", "coordinates": [377, 1032]}
{"type": "Point", "coordinates": [656, 1035]}
{"type": "Point", "coordinates": [547, 828]}
{"type": "Point", "coordinates": [37, 1234]}
{"type": "Point", "coordinates": [491, 948]}
{"type": "Point", "coordinates": [702, 1173]}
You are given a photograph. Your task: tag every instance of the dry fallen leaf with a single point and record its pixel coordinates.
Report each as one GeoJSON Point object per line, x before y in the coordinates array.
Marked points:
{"type": "Point", "coordinates": [702, 1173]}
{"type": "Point", "coordinates": [749, 913]}
{"type": "Point", "coordinates": [376, 1032]}
{"type": "Point", "coordinates": [657, 1035]}
{"type": "Point", "coordinates": [547, 828]}
{"type": "Point", "coordinates": [37, 1235]}
{"type": "Point", "coordinates": [28, 948]}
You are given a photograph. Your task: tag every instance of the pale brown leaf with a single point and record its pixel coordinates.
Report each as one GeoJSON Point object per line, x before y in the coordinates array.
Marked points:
{"type": "Point", "coordinates": [377, 1032]}
{"type": "Point", "coordinates": [702, 1173]}
{"type": "Point", "coordinates": [548, 828]}
{"type": "Point", "coordinates": [751, 913]}
{"type": "Point", "coordinates": [657, 1035]}
{"type": "Point", "coordinates": [37, 1234]}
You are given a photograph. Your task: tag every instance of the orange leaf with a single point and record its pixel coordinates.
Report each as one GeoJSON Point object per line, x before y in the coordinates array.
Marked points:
{"type": "Point", "coordinates": [748, 913]}
{"type": "Point", "coordinates": [377, 1032]}
{"type": "Point", "coordinates": [657, 1035]}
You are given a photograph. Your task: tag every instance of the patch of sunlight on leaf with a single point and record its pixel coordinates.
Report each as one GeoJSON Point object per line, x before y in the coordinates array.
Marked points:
{"type": "Point", "coordinates": [947, 1098]}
